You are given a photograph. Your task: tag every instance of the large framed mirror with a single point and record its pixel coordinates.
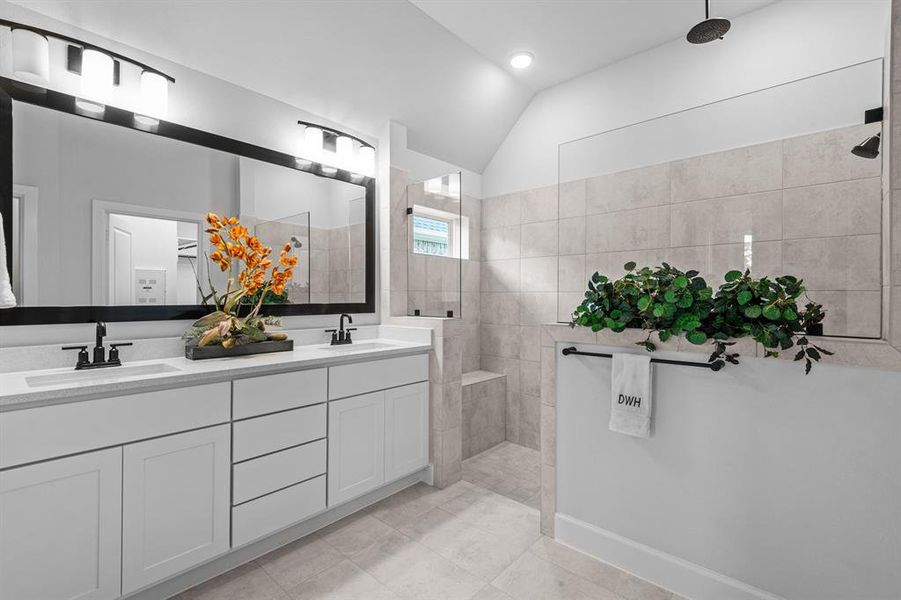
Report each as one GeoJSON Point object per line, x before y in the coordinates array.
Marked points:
{"type": "Point", "coordinates": [103, 217]}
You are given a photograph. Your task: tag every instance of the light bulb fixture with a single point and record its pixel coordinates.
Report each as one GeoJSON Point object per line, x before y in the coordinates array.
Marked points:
{"type": "Point", "coordinates": [31, 56]}
{"type": "Point", "coordinates": [154, 101]}
{"type": "Point", "coordinates": [367, 161]}
{"type": "Point", "coordinates": [312, 141]}
{"type": "Point", "coordinates": [335, 150]}
{"type": "Point", "coordinates": [96, 80]}
{"type": "Point", "coordinates": [98, 68]}
{"type": "Point", "coordinates": [344, 149]}
{"type": "Point", "coordinates": [521, 60]}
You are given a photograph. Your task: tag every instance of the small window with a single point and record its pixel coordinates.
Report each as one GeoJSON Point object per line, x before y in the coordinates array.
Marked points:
{"type": "Point", "coordinates": [432, 236]}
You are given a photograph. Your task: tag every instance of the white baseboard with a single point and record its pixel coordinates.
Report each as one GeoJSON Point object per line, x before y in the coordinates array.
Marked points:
{"type": "Point", "coordinates": [681, 576]}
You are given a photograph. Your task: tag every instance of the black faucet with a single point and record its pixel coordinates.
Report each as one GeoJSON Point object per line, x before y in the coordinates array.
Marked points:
{"type": "Point", "coordinates": [100, 359]}
{"type": "Point", "coordinates": [342, 335]}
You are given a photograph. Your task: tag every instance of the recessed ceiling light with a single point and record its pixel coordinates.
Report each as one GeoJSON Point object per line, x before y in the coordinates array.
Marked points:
{"type": "Point", "coordinates": [521, 60]}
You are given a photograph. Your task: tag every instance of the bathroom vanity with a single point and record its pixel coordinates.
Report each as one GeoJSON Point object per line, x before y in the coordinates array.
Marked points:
{"type": "Point", "coordinates": [119, 480]}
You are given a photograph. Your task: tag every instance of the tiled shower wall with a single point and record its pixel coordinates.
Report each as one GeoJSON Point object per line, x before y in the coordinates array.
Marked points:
{"type": "Point", "coordinates": [804, 206]}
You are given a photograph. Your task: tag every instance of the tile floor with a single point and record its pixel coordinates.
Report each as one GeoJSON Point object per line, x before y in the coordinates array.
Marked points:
{"type": "Point", "coordinates": [465, 542]}
{"type": "Point", "coordinates": [508, 469]}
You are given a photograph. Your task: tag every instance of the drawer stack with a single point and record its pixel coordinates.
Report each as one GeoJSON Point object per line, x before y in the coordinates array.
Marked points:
{"type": "Point", "coordinates": [279, 451]}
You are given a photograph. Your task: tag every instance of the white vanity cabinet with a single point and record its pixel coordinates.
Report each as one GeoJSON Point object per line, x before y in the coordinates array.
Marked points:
{"type": "Point", "coordinates": [406, 429]}
{"type": "Point", "coordinates": [102, 498]}
{"type": "Point", "coordinates": [175, 511]}
{"type": "Point", "coordinates": [356, 451]}
{"type": "Point", "coordinates": [60, 528]}
{"type": "Point", "coordinates": [377, 436]}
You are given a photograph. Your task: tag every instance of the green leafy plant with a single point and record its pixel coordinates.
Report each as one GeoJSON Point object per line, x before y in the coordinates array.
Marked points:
{"type": "Point", "coordinates": [667, 301]}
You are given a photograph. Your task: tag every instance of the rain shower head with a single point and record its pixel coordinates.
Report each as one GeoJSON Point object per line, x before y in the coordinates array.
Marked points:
{"type": "Point", "coordinates": [709, 29]}
{"type": "Point", "coordinates": [869, 148]}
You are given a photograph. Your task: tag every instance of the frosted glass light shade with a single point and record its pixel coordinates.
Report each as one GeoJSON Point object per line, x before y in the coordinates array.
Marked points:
{"type": "Point", "coordinates": [344, 147]}
{"type": "Point", "coordinates": [312, 140]}
{"type": "Point", "coordinates": [367, 160]}
{"type": "Point", "coordinates": [154, 95]}
{"type": "Point", "coordinates": [96, 76]}
{"type": "Point", "coordinates": [31, 56]}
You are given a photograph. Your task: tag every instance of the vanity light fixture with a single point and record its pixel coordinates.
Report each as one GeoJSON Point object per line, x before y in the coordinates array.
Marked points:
{"type": "Point", "coordinates": [335, 150]}
{"type": "Point", "coordinates": [344, 149]}
{"type": "Point", "coordinates": [312, 141]}
{"type": "Point", "coordinates": [367, 160]}
{"type": "Point", "coordinates": [521, 60]}
{"type": "Point", "coordinates": [154, 102]}
{"type": "Point", "coordinates": [96, 80]}
{"type": "Point", "coordinates": [31, 56]}
{"type": "Point", "coordinates": [97, 67]}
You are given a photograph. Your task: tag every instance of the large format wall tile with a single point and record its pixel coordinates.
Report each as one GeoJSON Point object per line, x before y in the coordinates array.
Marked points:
{"type": "Point", "coordinates": [571, 273]}
{"type": "Point", "coordinates": [640, 229]}
{"type": "Point", "coordinates": [571, 236]}
{"type": "Point", "coordinates": [539, 204]}
{"type": "Point", "coordinates": [844, 208]}
{"type": "Point", "coordinates": [572, 199]}
{"type": "Point", "coordinates": [537, 307]}
{"type": "Point", "coordinates": [730, 173]}
{"type": "Point", "coordinates": [502, 211]}
{"type": "Point", "coordinates": [611, 263]}
{"type": "Point", "coordinates": [539, 239]}
{"type": "Point", "coordinates": [539, 274]}
{"type": "Point", "coordinates": [825, 157]}
{"type": "Point", "coordinates": [500, 308]}
{"type": "Point", "coordinates": [500, 275]}
{"type": "Point", "coordinates": [727, 220]}
{"type": "Point", "coordinates": [501, 243]}
{"type": "Point", "coordinates": [836, 263]}
{"type": "Point", "coordinates": [764, 259]}
{"type": "Point", "coordinates": [636, 188]}
{"type": "Point", "coordinates": [851, 313]}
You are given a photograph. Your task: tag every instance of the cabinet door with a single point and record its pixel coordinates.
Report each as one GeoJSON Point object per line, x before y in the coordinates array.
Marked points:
{"type": "Point", "coordinates": [406, 429]}
{"type": "Point", "coordinates": [356, 446]}
{"type": "Point", "coordinates": [60, 528]}
{"type": "Point", "coordinates": [175, 504]}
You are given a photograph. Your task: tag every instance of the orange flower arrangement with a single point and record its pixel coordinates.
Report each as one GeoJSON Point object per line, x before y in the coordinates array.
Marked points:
{"type": "Point", "coordinates": [233, 245]}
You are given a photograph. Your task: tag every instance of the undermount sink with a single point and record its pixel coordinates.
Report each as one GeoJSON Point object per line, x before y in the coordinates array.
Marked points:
{"type": "Point", "coordinates": [99, 375]}
{"type": "Point", "coordinates": [364, 347]}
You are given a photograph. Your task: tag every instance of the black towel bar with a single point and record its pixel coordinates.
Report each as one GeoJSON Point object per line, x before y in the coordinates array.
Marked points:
{"type": "Point", "coordinates": [684, 363]}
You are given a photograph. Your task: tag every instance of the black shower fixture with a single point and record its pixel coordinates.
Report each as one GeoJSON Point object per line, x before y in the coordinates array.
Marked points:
{"type": "Point", "coordinates": [709, 29]}
{"type": "Point", "coordinates": [869, 148]}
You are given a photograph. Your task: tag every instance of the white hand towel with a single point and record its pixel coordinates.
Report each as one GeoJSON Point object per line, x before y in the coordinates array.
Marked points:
{"type": "Point", "coordinates": [630, 409]}
{"type": "Point", "coordinates": [7, 300]}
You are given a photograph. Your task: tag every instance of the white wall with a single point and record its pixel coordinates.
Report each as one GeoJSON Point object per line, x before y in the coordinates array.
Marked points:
{"type": "Point", "coordinates": [785, 482]}
{"type": "Point", "coordinates": [779, 43]}
{"type": "Point", "coordinates": [421, 166]}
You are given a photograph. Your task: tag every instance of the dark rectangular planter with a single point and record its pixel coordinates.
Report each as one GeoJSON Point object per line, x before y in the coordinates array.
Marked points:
{"type": "Point", "coordinates": [194, 352]}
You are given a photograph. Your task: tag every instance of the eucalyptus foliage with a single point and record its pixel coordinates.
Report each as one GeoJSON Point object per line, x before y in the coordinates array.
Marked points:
{"type": "Point", "coordinates": [671, 302]}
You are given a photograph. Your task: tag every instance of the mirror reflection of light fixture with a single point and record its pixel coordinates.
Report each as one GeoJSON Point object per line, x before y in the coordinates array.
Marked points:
{"type": "Point", "coordinates": [344, 148]}
{"type": "Point", "coordinates": [96, 80]}
{"type": "Point", "coordinates": [154, 100]}
{"type": "Point", "coordinates": [367, 160]}
{"type": "Point", "coordinates": [31, 56]}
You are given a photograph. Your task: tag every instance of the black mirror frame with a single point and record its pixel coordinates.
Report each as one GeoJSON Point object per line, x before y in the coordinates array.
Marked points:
{"type": "Point", "coordinates": [41, 315]}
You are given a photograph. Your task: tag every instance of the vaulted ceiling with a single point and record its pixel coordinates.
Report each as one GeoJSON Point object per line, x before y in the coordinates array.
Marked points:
{"type": "Point", "coordinates": [437, 66]}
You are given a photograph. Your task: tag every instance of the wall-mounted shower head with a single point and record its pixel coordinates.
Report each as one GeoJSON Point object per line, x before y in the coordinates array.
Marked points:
{"type": "Point", "coordinates": [709, 29]}
{"type": "Point", "coordinates": [296, 242]}
{"type": "Point", "coordinates": [869, 148]}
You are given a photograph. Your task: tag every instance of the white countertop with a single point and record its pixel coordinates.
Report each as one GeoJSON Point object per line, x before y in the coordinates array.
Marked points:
{"type": "Point", "coordinates": [16, 392]}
